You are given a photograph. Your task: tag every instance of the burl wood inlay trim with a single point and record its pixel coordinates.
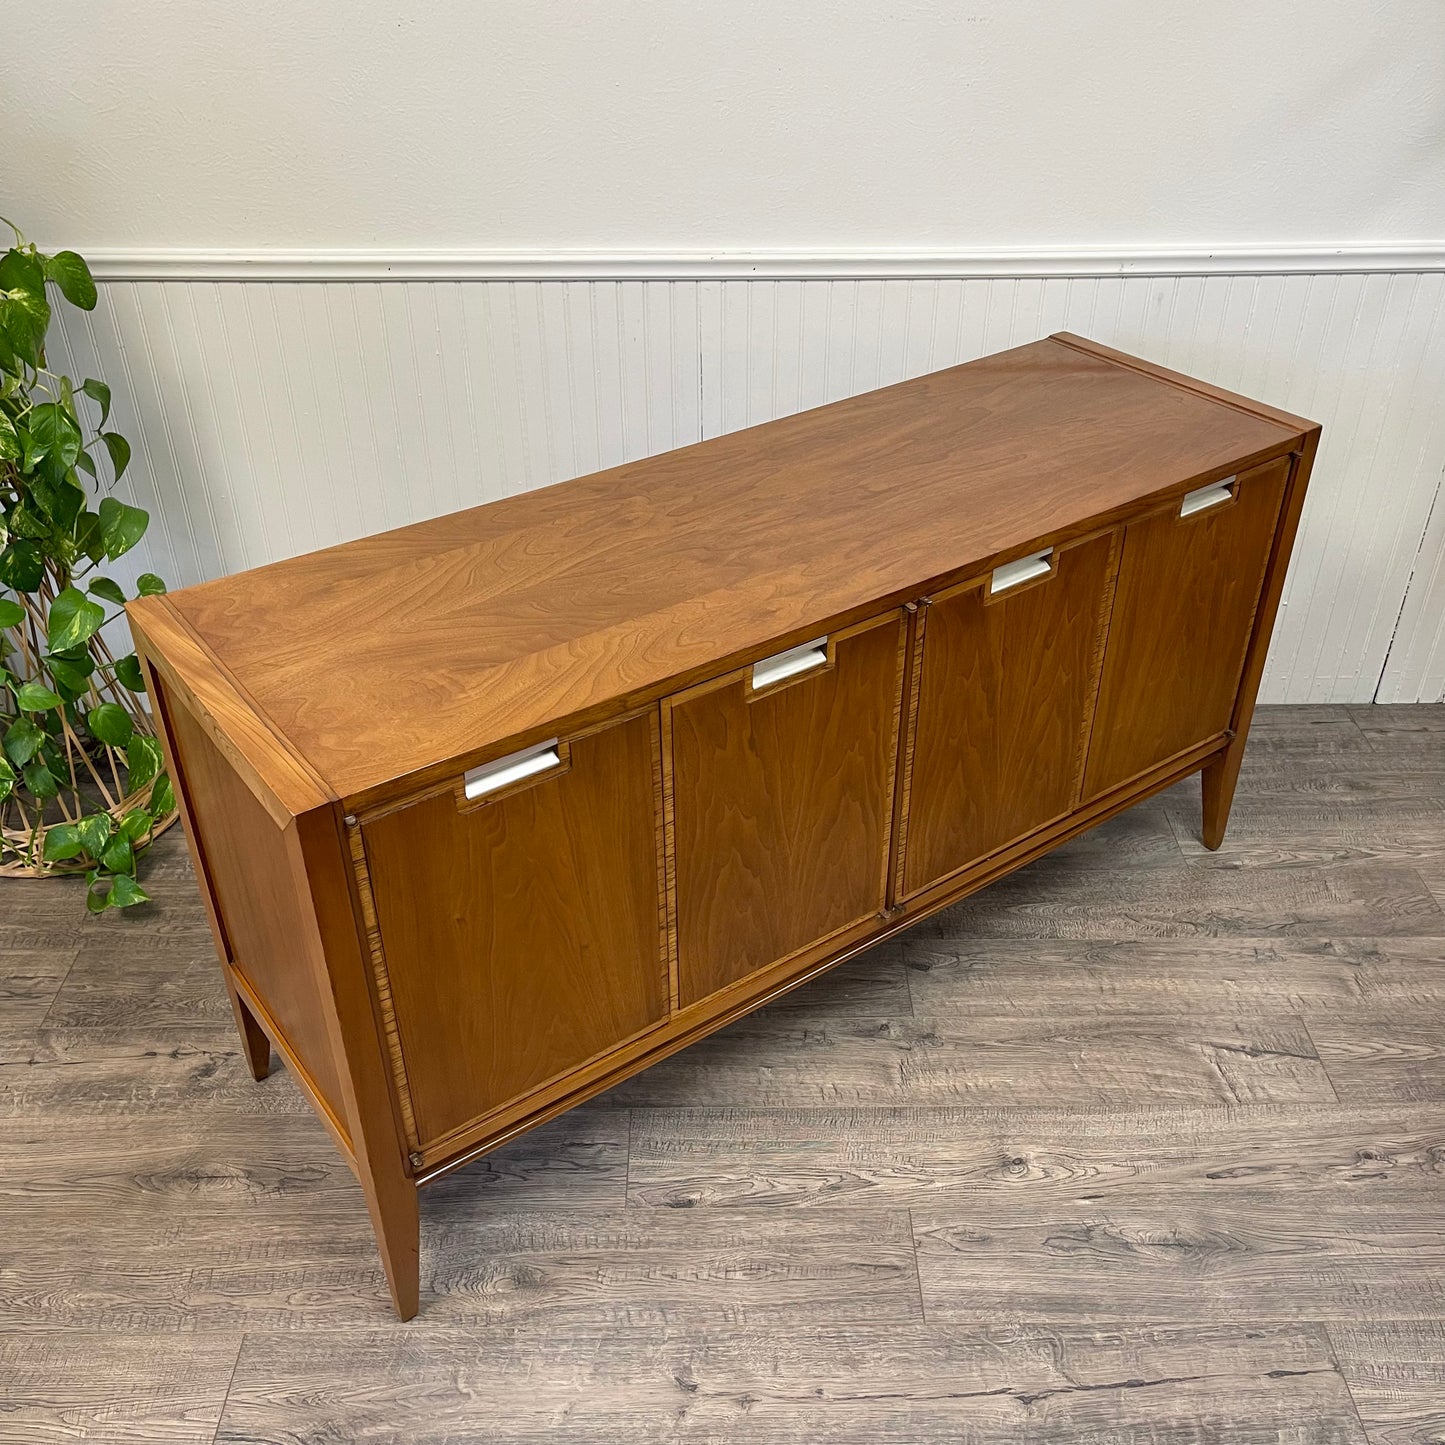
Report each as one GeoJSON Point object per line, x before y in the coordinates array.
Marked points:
{"type": "Point", "coordinates": [381, 983]}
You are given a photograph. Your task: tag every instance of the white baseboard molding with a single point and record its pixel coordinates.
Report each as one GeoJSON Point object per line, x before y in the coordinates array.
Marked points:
{"type": "Point", "coordinates": [341, 264]}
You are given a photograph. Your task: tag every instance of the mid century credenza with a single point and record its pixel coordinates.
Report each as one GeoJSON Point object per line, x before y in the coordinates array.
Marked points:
{"type": "Point", "coordinates": [492, 811]}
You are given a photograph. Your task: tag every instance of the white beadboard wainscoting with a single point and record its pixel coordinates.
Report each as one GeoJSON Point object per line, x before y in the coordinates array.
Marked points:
{"type": "Point", "coordinates": [271, 416]}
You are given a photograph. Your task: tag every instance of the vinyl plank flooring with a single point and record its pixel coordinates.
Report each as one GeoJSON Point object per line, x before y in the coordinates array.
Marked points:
{"type": "Point", "coordinates": [105, 1072]}
{"type": "Point", "coordinates": [917, 1157]}
{"type": "Point", "coordinates": [61, 900]}
{"type": "Point", "coordinates": [1378, 778]}
{"type": "Point", "coordinates": [1305, 730]}
{"type": "Point", "coordinates": [29, 980]}
{"type": "Point", "coordinates": [1139, 837]}
{"type": "Point", "coordinates": [824, 1382]}
{"type": "Point", "coordinates": [1187, 1256]}
{"type": "Point", "coordinates": [237, 1167]}
{"type": "Point", "coordinates": [1375, 1056]}
{"type": "Point", "coordinates": [275, 1164]}
{"type": "Point", "coordinates": [1049, 899]}
{"type": "Point", "coordinates": [1152, 1135]}
{"type": "Point", "coordinates": [126, 981]}
{"type": "Point", "coordinates": [873, 985]}
{"type": "Point", "coordinates": [1309, 976]}
{"type": "Point", "coordinates": [1315, 830]}
{"type": "Point", "coordinates": [151, 1272]}
{"type": "Point", "coordinates": [1395, 1370]}
{"type": "Point", "coordinates": [1414, 730]}
{"type": "Point", "coordinates": [1103, 1061]}
{"type": "Point", "coordinates": [75, 1385]}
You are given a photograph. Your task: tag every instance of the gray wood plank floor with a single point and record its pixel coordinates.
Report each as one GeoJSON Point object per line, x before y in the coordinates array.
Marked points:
{"type": "Point", "coordinates": [1143, 1143]}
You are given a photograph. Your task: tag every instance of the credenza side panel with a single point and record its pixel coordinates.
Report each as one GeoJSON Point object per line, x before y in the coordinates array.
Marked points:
{"type": "Point", "coordinates": [782, 803]}
{"type": "Point", "coordinates": [1187, 592]}
{"type": "Point", "coordinates": [262, 904]}
{"type": "Point", "coordinates": [1006, 693]}
{"type": "Point", "coordinates": [521, 938]}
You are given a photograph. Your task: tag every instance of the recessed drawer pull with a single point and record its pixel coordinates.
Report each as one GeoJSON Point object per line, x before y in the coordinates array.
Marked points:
{"type": "Point", "coordinates": [511, 769]}
{"type": "Point", "coordinates": [1011, 574]}
{"type": "Point", "coordinates": [790, 663]}
{"type": "Point", "coordinates": [1210, 496]}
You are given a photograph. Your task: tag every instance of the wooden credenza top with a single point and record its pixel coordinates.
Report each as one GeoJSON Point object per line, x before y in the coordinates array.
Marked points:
{"type": "Point", "coordinates": [398, 656]}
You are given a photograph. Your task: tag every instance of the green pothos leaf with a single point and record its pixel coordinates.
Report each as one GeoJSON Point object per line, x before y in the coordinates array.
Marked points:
{"type": "Point", "coordinates": [74, 619]}
{"type": "Point", "coordinates": [143, 760]}
{"type": "Point", "coordinates": [72, 275]}
{"type": "Point", "coordinates": [110, 723]}
{"type": "Point", "coordinates": [127, 669]}
{"type": "Point", "coordinates": [125, 892]}
{"type": "Point", "coordinates": [121, 525]}
{"type": "Point", "coordinates": [163, 798]}
{"type": "Point", "coordinates": [62, 841]}
{"type": "Point", "coordinates": [35, 697]}
{"type": "Point", "coordinates": [95, 832]}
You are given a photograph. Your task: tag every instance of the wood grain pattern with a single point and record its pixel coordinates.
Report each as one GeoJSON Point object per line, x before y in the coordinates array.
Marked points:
{"type": "Point", "coordinates": [282, 781]}
{"type": "Point", "coordinates": [264, 915]}
{"type": "Point", "coordinates": [990, 764]}
{"type": "Point", "coordinates": [1049, 900]}
{"type": "Point", "coordinates": [995, 1153]}
{"type": "Point", "coordinates": [30, 979]}
{"type": "Point", "coordinates": [1336, 977]}
{"type": "Point", "coordinates": [1104, 1062]}
{"type": "Point", "coordinates": [459, 970]}
{"type": "Point", "coordinates": [1182, 1257]}
{"type": "Point", "coordinates": [638, 580]}
{"type": "Point", "coordinates": [150, 1390]}
{"type": "Point", "coordinates": [1187, 592]}
{"type": "Point", "coordinates": [381, 984]}
{"type": "Point", "coordinates": [1150, 1267]}
{"type": "Point", "coordinates": [1221, 776]}
{"type": "Point", "coordinates": [553, 1270]}
{"type": "Point", "coordinates": [1385, 1054]}
{"type": "Point", "coordinates": [100, 1072]}
{"type": "Point", "coordinates": [823, 1381]}
{"type": "Point", "coordinates": [521, 938]}
{"type": "Point", "coordinates": [1396, 1373]}
{"type": "Point", "coordinates": [781, 809]}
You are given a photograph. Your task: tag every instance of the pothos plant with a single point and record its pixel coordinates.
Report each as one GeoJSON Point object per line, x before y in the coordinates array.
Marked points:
{"type": "Point", "coordinates": [81, 782]}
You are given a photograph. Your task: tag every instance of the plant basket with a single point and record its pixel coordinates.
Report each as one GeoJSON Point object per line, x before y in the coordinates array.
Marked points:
{"type": "Point", "coordinates": [98, 775]}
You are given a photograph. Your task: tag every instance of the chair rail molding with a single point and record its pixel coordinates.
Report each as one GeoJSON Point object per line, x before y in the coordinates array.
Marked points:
{"type": "Point", "coordinates": [272, 416]}
{"type": "Point", "coordinates": [424, 264]}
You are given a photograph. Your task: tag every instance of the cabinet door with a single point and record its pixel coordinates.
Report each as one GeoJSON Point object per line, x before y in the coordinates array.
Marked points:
{"type": "Point", "coordinates": [782, 798]}
{"type": "Point", "coordinates": [1007, 679]}
{"type": "Point", "coordinates": [522, 933]}
{"type": "Point", "coordinates": [1189, 581]}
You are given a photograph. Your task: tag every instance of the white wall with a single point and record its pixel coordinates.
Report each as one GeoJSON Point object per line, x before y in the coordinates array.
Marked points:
{"type": "Point", "coordinates": [1254, 194]}
{"type": "Point", "coordinates": [565, 124]}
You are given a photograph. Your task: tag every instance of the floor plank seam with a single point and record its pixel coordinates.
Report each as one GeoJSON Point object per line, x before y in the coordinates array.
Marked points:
{"type": "Point", "coordinates": [59, 989]}
{"type": "Point", "coordinates": [1324, 1067]}
{"type": "Point", "coordinates": [627, 1165]}
{"type": "Point", "coordinates": [1345, 1381]}
{"type": "Point", "coordinates": [917, 1272]}
{"type": "Point", "coordinates": [230, 1385]}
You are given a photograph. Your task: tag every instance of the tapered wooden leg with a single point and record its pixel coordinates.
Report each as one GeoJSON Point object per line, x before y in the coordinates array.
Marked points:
{"type": "Point", "coordinates": [396, 1221]}
{"type": "Point", "coordinates": [1217, 784]}
{"type": "Point", "coordinates": [254, 1043]}
{"type": "Point", "coordinates": [382, 1163]}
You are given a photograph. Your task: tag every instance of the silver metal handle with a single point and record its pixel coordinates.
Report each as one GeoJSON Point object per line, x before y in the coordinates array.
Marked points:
{"type": "Point", "coordinates": [1210, 496]}
{"type": "Point", "coordinates": [790, 663]}
{"type": "Point", "coordinates": [1011, 574]}
{"type": "Point", "coordinates": [511, 769]}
